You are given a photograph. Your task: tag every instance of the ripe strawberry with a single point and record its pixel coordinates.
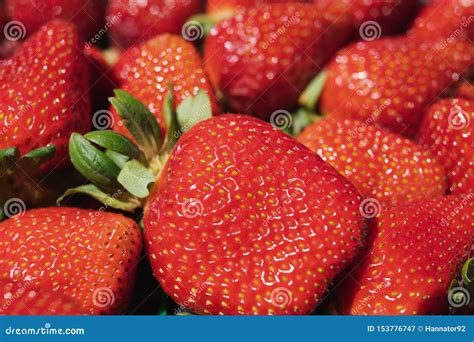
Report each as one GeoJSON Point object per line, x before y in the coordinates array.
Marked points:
{"type": "Point", "coordinates": [447, 131]}
{"type": "Point", "coordinates": [380, 164]}
{"type": "Point", "coordinates": [44, 92]}
{"type": "Point", "coordinates": [23, 299]}
{"type": "Point", "coordinates": [445, 19]}
{"type": "Point", "coordinates": [222, 207]}
{"type": "Point", "coordinates": [391, 81]}
{"type": "Point", "coordinates": [264, 57]}
{"type": "Point", "coordinates": [141, 20]}
{"type": "Point", "coordinates": [147, 70]}
{"type": "Point", "coordinates": [413, 253]}
{"type": "Point", "coordinates": [390, 16]}
{"type": "Point", "coordinates": [87, 15]}
{"type": "Point", "coordinates": [87, 255]}
{"type": "Point", "coordinates": [245, 220]}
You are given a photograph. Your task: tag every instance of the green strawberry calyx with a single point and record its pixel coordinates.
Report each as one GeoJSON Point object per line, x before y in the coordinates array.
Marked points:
{"type": "Point", "coordinates": [306, 113]}
{"type": "Point", "coordinates": [310, 96]}
{"type": "Point", "coordinates": [121, 172]}
{"type": "Point", "coordinates": [461, 292]}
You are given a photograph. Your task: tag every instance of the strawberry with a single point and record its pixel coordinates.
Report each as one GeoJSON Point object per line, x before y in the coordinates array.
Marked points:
{"type": "Point", "coordinates": [264, 57]}
{"type": "Point", "coordinates": [383, 16]}
{"type": "Point", "coordinates": [87, 15]}
{"type": "Point", "coordinates": [382, 165]}
{"type": "Point", "coordinates": [147, 70]}
{"type": "Point", "coordinates": [445, 19]}
{"type": "Point", "coordinates": [44, 92]}
{"type": "Point", "coordinates": [89, 256]}
{"type": "Point", "coordinates": [141, 20]}
{"type": "Point", "coordinates": [43, 99]}
{"type": "Point", "coordinates": [447, 131]}
{"type": "Point", "coordinates": [391, 81]}
{"type": "Point", "coordinates": [239, 222]}
{"type": "Point", "coordinates": [24, 299]}
{"type": "Point", "coordinates": [413, 253]}
{"type": "Point", "coordinates": [237, 217]}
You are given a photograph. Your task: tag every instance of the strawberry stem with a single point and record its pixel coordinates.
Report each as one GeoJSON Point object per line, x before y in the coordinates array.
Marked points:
{"type": "Point", "coordinates": [310, 96]}
{"type": "Point", "coordinates": [171, 119]}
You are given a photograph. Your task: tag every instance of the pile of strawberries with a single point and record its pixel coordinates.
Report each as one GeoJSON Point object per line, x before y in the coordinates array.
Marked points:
{"type": "Point", "coordinates": [236, 157]}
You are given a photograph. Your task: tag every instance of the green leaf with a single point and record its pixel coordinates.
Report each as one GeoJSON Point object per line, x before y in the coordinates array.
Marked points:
{"type": "Point", "coordinates": [140, 122]}
{"type": "Point", "coordinates": [311, 94]}
{"type": "Point", "coordinates": [171, 118]}
{"type": "Point", "coordinates": [119, 159]}
{"type": "Point", "coordinates": [111, 201]}
{"type": "Point", "coordinates": [92, 163]}
{"type": "Point", "coordinates": [115, 142]}
{"type": "Point", "coordinates": [193, 109]}
{"type": "Point", "coordinates": [8, 158]}
{"type": "Point", "coordinates": [135, 178]}
{"type": "Point", "coordinates": [33, 159]}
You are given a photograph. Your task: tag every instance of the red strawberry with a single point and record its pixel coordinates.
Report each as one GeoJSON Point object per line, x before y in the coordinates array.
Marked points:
{"type": "Point", "coordinates": [382, 16]}
{"type": "Point", "coordinates": [87, 15]}
{"type": "Point", "coordinates": [141, 20]}
{"type": "Point", "coordinates": [245, 220]}
{"type": "Point", "coordinates": [87, 255]}
{"type": "Point", "coordinates": [381, 165]}
{"type": "Point", "coordinates": [264, 57]}
{"type": "Point", "coordinates": [103, 81]}
{"type": "Point", "coordinates": [146, 71]}
{"type": "Point", "coordinates": [391, 81]}
{"type": "Point", "coordinates": [445, 19]}
{"type": "Point", "coordinates": [447, 130]}
{"type": "Point", "coordinates": [24, 299]}
{"type": "Point", "coordinates": [413, 253]}
{"type": "Point", "coordinates": [239, 217]}
{"type": "Point", "coordinates": [44, 92]}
